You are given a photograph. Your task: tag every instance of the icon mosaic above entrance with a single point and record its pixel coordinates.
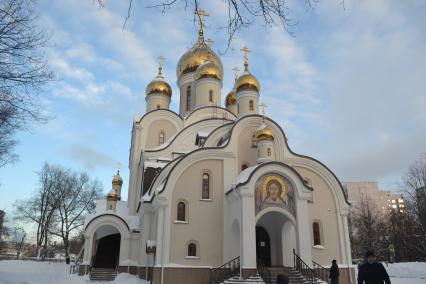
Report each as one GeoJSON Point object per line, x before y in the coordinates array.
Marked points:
{"type": "Point", "coordinates": [273, 190]}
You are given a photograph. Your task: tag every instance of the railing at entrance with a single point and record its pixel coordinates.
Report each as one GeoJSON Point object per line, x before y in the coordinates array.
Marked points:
{"type": "Point", "coordinates": [303, 268]}
{"type": "Point", "coordinates": [264, 273]}
{"type": "Point", "coordinates": [227, 270]}
{"type": "Point", "coordinates": [321, 272]}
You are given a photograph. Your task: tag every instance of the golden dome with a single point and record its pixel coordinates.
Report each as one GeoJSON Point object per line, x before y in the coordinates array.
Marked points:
{"type": "Point", "coordinates": [196, 56]}
{"type": "Point", "coordinates": [112, 195]}
{"type": "Point", "coordinates": [208, 70]}
{"type": "Point", "coordinates": [117, 180]}
{"type": "Point", "coordinates": [231, 99]}
{"type": "Point", "coordinates": [247, 82]}
{"type": "Point", "coordinates": [264, 134]}
{"type": "Point", "coordinates": [158, 85]}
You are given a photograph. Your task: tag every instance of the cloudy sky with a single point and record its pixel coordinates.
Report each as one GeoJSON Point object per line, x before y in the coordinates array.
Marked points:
{"type": "Point", "coordinates": [348, 88]}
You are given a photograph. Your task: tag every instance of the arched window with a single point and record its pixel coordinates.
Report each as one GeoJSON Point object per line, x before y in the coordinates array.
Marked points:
{"type": "Point", "coordinates": [206, 186]}
{"type": "Point", "coordinates": [269, 152]}
{"type": "Point", "coordinates": [192, 249]}
{"type": "Point", "coordinates": [161, 138]}
{"type": "Point", "coordinates": [158, 106]}
{"type": "Point", "coordinates": [211, 96]}
{"type": "Point", "coordinates": [316, 229]}
{"type": "Point", "coordinates": [243, 167]}
{"type": "Point", "coordinates": [188, 98]}
{"type": "Point", "coordinates": [251, 107]}
{"type": "Point", "coordinates": [181, 211]}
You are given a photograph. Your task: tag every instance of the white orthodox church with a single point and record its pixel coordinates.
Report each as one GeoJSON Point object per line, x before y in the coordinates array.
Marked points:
{"type": "Point", "coordinates": [215, 185]}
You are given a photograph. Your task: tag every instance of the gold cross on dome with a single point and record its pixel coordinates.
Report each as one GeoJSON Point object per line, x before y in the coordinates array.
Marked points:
{"type": "Point", "coordinates": [201, 13]}
{"type": "Point", "coordinates": [160, 62]}
{"type": "Point", "coordinates": [246, 51]}
{"type": "Point", "coordinates": [118, 166]}
{"type": "Point", "coordinates": [236, 71]}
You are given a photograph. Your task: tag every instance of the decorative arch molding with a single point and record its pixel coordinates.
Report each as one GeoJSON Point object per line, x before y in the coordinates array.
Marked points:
{"type": "Point", "coordinates": [108, 219]}
{"type": "Point", "coordinates": [282, 211]}
{"type": "Point", "coordinates": [162, 112]}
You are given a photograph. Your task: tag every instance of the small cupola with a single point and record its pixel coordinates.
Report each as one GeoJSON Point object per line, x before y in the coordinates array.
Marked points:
{"type": "Point", "coordinates": [158, 92]}
{"type": "Point", "coordinates": [265, 144]}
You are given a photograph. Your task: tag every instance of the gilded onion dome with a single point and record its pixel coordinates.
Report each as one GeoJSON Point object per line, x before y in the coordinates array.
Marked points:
{"type": "Point", "coordinates": [159, 85]}
{"type": "Point", "coordinates": [231, 99]}
{"type": "Point", "coordinates": [264, 134]}
{"type": "Point", "coordinates": [196, 56]}
{"type": "Point", "coordinates": [112, 195]}
{"type": "Point", "coordinates": [247, 82]}
{"type": "Point", "coordinates": [117, 180]}
{"type": "Point", "coordinates": [208, 70]}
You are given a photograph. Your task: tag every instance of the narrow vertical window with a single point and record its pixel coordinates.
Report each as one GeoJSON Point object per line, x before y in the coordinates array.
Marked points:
{"type": "Point", "coordinates": [269, 152]}
{"type": "Point", "coordinates": [317, 233]}
{"type": "Point", "coordinates": [161, 138]}
{"type": "Point", "coordinates": [188, 98]}
{"type": "Point", "coordinates": [205, 188]}
{"type": "Point", "coordinates": [251, 107]}
{"type": "Point", "coordinates": [192, 249]}
{"type": "Point", "coordinates": [253, 141]}
{"type": "Point", "coordinates": [211, 96]}
{"type": "Point", "coordinates": [181, 211]}
{"type": "Point", "coordinates": [158, 106]}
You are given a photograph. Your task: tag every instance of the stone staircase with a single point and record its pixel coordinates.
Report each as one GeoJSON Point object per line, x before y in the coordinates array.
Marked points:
{"type": "Point", "coordinates": [251, 280]}
{"type": "Point", "coordinates": [294, 276]}
{"type": "Point", "coordinates": [103, 274]}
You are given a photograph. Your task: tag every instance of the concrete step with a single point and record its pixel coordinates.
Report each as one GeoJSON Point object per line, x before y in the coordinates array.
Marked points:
{"type": "Point", "coordinates": [103, 274]}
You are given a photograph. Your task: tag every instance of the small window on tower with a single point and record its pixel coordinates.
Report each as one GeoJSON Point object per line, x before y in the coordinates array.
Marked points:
{"type": "Point", "coordinates": [161, 138]}
{"type": "Point", "coordinates": [251, 106]}
{"type": "Point", "coordinates": [269, 152]}
{"type": "Point", "coordinates": [211, 96]}
{"type": "Point", "coordinates": [158, 106]}
{"type": "Point", "coordinates": [188, 98]}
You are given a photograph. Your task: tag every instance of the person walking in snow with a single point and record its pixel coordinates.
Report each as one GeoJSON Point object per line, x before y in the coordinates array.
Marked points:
{"type": "Point", "coordinates": [334, 272]}
{"type": "Point", "coordinates": [372, 272]}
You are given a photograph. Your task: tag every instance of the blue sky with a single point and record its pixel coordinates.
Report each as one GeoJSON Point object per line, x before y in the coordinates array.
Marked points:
{"type": "Point", "coordinates": [348, 88]}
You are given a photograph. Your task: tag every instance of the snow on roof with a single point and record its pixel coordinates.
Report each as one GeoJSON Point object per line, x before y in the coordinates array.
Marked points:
{"type": "Point", "coordinates": [203, 133]}
{"type": "Point", "coordinates": [244, 176]}
{"type": "Point", "coordinates": [150, 164]}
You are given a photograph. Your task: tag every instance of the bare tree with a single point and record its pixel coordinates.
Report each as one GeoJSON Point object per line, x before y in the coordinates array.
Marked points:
{"type": "Point", "coordinates": [19, 235]}
{"type": "Point", "coordinates": [23, 71]}
{"type": "Point", "coordinates": [241, 13]}
{"type": "Point", "coordinates": [415, 181]}
{"type": "Point", "coordinates": [79, 195]}
{"type": "Point", "coordinates": [369, 228]}
{"type": "Point", "coordinates": [40, 208]}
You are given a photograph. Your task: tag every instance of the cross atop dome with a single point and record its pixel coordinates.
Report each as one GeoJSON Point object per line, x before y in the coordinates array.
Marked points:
{"type": "Point", "coordinates": [201, 13]}
{"type": "Point", "coordinates": [160, 63]}
{"type": "Point", "coordinates": [245, 50]}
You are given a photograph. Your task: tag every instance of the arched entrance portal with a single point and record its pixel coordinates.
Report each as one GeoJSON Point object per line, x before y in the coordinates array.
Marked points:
{"type": "Point", "coordinates": [106, 249]}
{"type": "Point", "coordinates": [275, 239]}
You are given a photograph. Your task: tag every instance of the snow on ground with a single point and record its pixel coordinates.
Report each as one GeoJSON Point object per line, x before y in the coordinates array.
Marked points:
{"type": "Point", "coordinates": [33, 272]}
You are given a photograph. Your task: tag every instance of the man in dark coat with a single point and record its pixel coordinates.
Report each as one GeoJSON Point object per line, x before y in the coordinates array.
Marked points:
{"type": "Point", "coordinates": [334, 272]}
{"type": "Point", "coordinates": [372, 272]}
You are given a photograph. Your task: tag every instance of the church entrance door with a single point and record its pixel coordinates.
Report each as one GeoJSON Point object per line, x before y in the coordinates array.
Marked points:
{"type": "Point", "coordinates": [263, 246]}
{"type": "Point", "coordinates": [106, 248]}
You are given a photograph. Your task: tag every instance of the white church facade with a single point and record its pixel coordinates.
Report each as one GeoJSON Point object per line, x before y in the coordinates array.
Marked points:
{"type": "Point", "coordinates": [212, 184]}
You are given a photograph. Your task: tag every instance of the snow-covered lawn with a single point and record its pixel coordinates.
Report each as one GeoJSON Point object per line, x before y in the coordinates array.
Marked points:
{"type": "Point", "coordinates": [407, 272]}
{"type": "Point", "coordinates": [33, 272]}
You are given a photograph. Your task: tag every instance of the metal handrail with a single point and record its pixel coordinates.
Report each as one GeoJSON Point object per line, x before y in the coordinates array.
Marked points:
{"type": "Point", "coordinates": [264, 273]}
{"type": "Point", "coordinates": [320, 271]}
{"type": "Point", "coordinates": [227, 270]}
{"type": "Point", "coordinates": [303, 268]}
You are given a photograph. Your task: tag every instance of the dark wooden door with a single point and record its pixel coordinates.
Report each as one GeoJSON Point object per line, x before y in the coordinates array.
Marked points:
{"type": "Point", "coordinates": [263, 246]}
